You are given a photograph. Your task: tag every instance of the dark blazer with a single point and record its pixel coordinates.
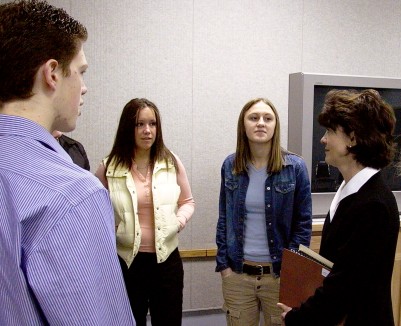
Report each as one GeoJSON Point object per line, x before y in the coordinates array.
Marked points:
{"type": "Point", "coordinates": [361, 241]}
{"type": "Point", "coordinates": [75, 150]}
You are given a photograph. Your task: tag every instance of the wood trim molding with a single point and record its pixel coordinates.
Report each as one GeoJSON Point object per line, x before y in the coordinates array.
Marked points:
{"type": "Point", "coordinates": [198, 253]}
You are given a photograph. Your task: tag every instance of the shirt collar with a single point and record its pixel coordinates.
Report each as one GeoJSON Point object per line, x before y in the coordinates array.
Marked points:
{"type": "Point", "coordinates": [353, 186]}
{"type": "Point", "coordinates": [22, 127]}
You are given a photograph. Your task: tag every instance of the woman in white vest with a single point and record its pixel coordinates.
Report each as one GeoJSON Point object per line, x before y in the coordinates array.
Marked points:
{"type": "Point", "coordinates": [152, 203]}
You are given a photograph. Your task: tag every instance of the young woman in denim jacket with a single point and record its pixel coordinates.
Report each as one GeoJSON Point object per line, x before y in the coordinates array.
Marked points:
{"type": "Point", "coordinates": [264, 207]}
{"type": "Point", "coordinates": [152, 203]}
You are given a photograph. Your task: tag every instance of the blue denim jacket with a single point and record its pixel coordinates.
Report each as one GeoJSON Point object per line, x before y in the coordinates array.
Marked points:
{"type": "Point", "coordinates": [288, 207]}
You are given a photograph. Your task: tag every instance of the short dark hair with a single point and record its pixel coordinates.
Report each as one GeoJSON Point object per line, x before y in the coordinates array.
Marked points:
{"type": "Point", "coordinates": [370, 118]}
{"type": "Point", "coordinates": [124, 146]}
{"type": "Point", "coordinates": [32, 32]}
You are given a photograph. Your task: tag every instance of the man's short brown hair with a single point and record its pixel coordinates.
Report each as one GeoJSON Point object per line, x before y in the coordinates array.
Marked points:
{"type": "Point", "coordinates": [31, 33]}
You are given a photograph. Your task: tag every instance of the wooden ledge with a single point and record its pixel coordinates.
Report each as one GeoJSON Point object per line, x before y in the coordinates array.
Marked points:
{"type": "Point", "coordinates": [198, 253]}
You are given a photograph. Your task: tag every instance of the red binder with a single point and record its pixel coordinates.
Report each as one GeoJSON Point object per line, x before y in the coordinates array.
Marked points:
{"type": "Point", "coordinates": [300, 276]}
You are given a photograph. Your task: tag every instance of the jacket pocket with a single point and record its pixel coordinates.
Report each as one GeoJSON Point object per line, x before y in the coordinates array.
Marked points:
{"type": "Point", "coordinates": [284, 188]}
{"type": "Point", "coordinates": [125, 230]}
{"type": "Point", "coordinates": [171, 229]}
{"type": "Point", "coordinates": [231, 185]}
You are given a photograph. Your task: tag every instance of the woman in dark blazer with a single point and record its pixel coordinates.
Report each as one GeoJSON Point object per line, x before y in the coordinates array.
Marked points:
{"type": "Point", "coordinates": [361, 228]}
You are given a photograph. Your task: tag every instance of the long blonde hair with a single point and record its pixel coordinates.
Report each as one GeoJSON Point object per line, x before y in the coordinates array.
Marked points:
{"type": "Point", "coordinates": [243, 151]}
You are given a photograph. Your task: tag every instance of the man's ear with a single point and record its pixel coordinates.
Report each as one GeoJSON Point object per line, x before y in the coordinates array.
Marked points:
{"type": "Point", "coordinates": [51, 73]}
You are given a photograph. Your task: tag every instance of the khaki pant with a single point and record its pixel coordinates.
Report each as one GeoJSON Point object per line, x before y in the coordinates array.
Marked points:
{"type": "Point", "coordinates": [246, 295]}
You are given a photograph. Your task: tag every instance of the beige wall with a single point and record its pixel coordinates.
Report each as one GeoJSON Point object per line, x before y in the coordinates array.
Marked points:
{"type": "Point", "coordinates": [200, 61]}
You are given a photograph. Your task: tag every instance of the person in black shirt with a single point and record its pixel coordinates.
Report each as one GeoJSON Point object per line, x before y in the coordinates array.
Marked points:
{"type": "Point", "coordinates": [361, 228]}
{"type": "Point", "coordinates": [73, 148]}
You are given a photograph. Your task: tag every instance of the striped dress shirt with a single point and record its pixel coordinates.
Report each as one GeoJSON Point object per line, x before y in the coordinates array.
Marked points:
{"type": "Point", "coordinates": [58, 261]}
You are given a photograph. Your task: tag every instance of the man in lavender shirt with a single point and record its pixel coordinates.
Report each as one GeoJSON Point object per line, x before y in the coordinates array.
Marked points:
{"type": "Point", "coordinates": [58, 261]}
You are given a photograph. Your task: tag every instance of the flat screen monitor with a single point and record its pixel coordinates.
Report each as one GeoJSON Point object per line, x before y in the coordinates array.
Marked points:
{"type": "Point", "coordinates": [306, 97]}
